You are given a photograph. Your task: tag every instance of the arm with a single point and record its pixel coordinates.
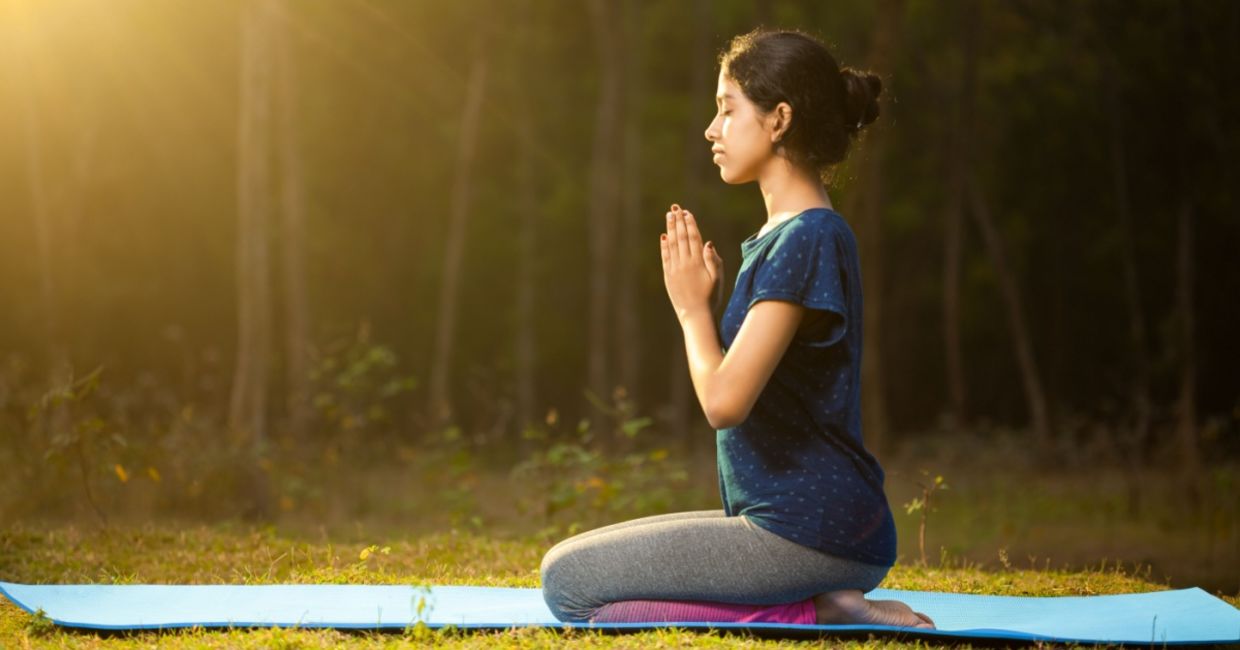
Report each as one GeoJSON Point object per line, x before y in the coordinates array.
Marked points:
{"type": "Point", "coordinates": [728, 386]}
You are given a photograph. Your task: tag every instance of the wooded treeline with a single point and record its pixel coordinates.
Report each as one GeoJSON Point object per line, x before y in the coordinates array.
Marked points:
{"type": "Point", "coordinates": [218, 201]}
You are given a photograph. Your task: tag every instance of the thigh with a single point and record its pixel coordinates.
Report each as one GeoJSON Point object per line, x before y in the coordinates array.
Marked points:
{"type": "Point", "coordinates": [720, 559]}
{"type": "Point", "coordinates": [641, 521]}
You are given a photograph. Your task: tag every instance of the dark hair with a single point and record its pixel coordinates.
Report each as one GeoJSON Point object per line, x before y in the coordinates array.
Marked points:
{"type": "Point", "coordinates": [830, 105]}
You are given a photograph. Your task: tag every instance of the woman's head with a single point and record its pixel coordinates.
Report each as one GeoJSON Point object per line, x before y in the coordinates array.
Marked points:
{"type": "Point", "coordinates": [781, 93]}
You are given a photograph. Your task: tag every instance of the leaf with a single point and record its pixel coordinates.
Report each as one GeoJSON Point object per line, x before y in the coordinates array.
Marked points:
{"type": "Point", "coordinates": [87, 385]}
{"type": "Point", "coordinates": [632, 427]}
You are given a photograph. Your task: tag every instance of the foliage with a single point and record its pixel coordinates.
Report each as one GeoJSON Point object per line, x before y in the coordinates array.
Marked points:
{"type": "Point", "coordinates": [355, 382]}
{"type": "Point", "coordinates": [579, 481]}
{"type": "Point", "coordinates": [922, 503]}
{"type": "Point", "coordinates": [452, 467]}
{"type": "Point", "coordinates": [74, 427]}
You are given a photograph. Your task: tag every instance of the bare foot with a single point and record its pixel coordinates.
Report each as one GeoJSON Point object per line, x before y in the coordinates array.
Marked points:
{"type": "Point", "coordinates": [849, 607]}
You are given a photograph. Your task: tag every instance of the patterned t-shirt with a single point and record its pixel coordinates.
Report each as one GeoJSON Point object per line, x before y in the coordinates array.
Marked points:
{"type": "Point", "coordinates": [797, 465]}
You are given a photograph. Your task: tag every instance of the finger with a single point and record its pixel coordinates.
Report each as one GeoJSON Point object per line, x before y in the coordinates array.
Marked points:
{"type": "Point", "coordinates": [692, 233]}
{"type": "Point", "coordinates": [663, 251]}
{"type": "Point", "coordinates": [672, 246]}
{"type": "Point", "coordinates": [682, 238]}
{"type": "Point", "coordinates": [710, 261]}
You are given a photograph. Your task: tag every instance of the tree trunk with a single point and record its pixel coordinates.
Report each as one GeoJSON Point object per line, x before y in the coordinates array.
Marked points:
{"type": "Point", "coordinates": [1186, 151]}
{"type": "Point", "coordinates": [1021, 340]}
{"type": "Point", "coordinates": [958, 156]}
{"type": "Point", "coordinates": [526, 325]}
{"type": "Point", "coordinates": [604, 191]}
{"type": "Point", "coordinates": [248, 403]}
{"type": "Point", "coordinates": [682, 402]}
{"type": "Point", "coordinates": [1186, 408]}
{"type": "Point", "coordinates": [632, 240]}
{"type": "Point", "coordinates": [440, 406]}
{"type": "Point", "coordinates": [1132, 443]}
{"type": "Point", "coordinates": [293, 242]}
{"type": "Point", "coordinates": [24, 63]}
{"type": "Point", "coordinates": [868, 202]}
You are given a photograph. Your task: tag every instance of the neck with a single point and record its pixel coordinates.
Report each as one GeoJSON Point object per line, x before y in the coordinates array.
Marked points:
{"type": "Point", "coordinates": [788, 190]}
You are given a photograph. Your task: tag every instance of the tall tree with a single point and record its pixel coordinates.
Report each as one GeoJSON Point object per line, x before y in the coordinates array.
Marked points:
{"type": "Point", "coordinates": [440, 405]}
{"type": "Point", "coordinates": [247, 413]}
{"type": "Point", "coordinates": [603, 193]}
{"type": "Point", "coordinates": [1186, 404]}
{"type": "Point", "coordinates": [25, 61]}
{"type": "Point", "coordinates": [958, 155]}
{"type": "Point", "coordinates": [631, 240]}
{"type": "Point", "coordinates": [1132, 442]}
{"type": "Point", "coordinates": [527, 255]}
{"type": "Point", "coordinates": [293, 239]}
{"type": "Point", "coordinates": [1022, 342]}
{"type": "Point", "coordinates": [866, 204]}
{"type": "Point", "coordinates": [683, 404]}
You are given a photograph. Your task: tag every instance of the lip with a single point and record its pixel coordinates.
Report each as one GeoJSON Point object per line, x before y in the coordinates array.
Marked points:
{"type": "Point", "coordinates": [717, 157]}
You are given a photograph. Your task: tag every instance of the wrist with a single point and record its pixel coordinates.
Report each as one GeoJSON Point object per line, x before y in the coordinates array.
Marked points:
{"type": "Point", "coordinates": [696, 312]}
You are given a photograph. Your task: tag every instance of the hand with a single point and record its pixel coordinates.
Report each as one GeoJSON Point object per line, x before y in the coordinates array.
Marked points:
{"type": "Point", "coordinates": [714, 264]}
{"type": "Point", "coordinates": [690, 270]}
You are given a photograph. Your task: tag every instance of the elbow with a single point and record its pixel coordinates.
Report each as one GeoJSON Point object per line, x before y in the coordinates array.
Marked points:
{"type": "Point", "coordinates": [722, 416]}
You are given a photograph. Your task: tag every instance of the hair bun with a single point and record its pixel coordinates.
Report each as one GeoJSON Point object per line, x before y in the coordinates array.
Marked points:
{"type": "Point", "coordinates": [861, 91]}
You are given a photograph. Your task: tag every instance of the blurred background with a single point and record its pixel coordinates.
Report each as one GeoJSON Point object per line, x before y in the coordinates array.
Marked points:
{"type": "Point", "coordinates": [320, 262]}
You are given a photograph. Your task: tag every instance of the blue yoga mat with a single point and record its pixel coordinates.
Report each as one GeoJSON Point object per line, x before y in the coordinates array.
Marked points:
{"type": "Point", "coordinates": [1173, 617]}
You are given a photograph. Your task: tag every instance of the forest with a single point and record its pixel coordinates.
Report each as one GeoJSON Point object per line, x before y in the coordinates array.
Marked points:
{"type": "Point", "coordinates": [396, 264]}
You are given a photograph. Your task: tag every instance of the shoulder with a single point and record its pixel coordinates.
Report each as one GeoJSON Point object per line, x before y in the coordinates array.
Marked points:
{"type": "Point", "coordinates": [811, 228]}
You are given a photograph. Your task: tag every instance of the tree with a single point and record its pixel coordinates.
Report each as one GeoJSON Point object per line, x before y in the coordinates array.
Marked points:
{"type": "Point", "coordinates": [604, 193]}
{"type": "Point", "coordinates": [247, 415]}
{"type": "Point", "coordinates": [867, 205]}
{"type": "Point", "coordinates": [440, 406]}
{"type": "Point", "coordinates": [293, 241]}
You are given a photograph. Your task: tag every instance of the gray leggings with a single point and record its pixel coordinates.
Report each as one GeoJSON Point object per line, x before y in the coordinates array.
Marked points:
{"type": "Point", "coordinates": [698, 555]}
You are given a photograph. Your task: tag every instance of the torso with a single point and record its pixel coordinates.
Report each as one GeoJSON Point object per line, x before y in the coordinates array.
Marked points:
{"type": "Point", "coordinates": [811, 319]}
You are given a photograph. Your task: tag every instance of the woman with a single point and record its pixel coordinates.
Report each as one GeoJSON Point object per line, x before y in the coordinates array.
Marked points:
{"type": "Point", "coordinates": [805, 529]}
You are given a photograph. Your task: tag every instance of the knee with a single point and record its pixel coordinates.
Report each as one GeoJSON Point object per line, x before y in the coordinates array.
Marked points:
{"type": "Point", "coordinates": [874, 577]}
{"type": "Point", "coordinates": [562, 587]}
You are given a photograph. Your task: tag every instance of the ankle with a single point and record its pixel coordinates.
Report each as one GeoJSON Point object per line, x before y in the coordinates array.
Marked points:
{"type": "Point", "coordinates": [839, 607]}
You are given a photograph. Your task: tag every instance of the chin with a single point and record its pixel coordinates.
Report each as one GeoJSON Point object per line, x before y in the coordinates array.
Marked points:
{"type": "Point", "coordinates": [731, 178]}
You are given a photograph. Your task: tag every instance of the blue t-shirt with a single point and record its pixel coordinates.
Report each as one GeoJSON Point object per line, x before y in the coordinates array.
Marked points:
{"type": "Point", "coordinates": [797, 465]}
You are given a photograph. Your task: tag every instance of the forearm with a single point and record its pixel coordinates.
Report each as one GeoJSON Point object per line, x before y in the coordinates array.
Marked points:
{"type": "Point", "coordinates": [704, 355]}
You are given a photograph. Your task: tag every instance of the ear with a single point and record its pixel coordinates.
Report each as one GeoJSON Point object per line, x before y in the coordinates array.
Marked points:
{"type": "Point", "coordinates": [780, 119]}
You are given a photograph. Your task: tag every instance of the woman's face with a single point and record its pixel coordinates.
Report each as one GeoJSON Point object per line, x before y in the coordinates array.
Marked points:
{"type": "Point", "coordinates": [741, 139]}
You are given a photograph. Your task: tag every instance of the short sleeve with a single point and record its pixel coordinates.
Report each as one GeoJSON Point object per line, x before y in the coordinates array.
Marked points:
{"type": "Point", "coordinates": [802, 265]}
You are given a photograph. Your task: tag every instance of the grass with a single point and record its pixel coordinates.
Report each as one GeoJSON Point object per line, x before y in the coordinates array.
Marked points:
{"type": "Point", "coordinates": [239, 554]}
{"type": "Point", "coordinates": [448, 515]}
